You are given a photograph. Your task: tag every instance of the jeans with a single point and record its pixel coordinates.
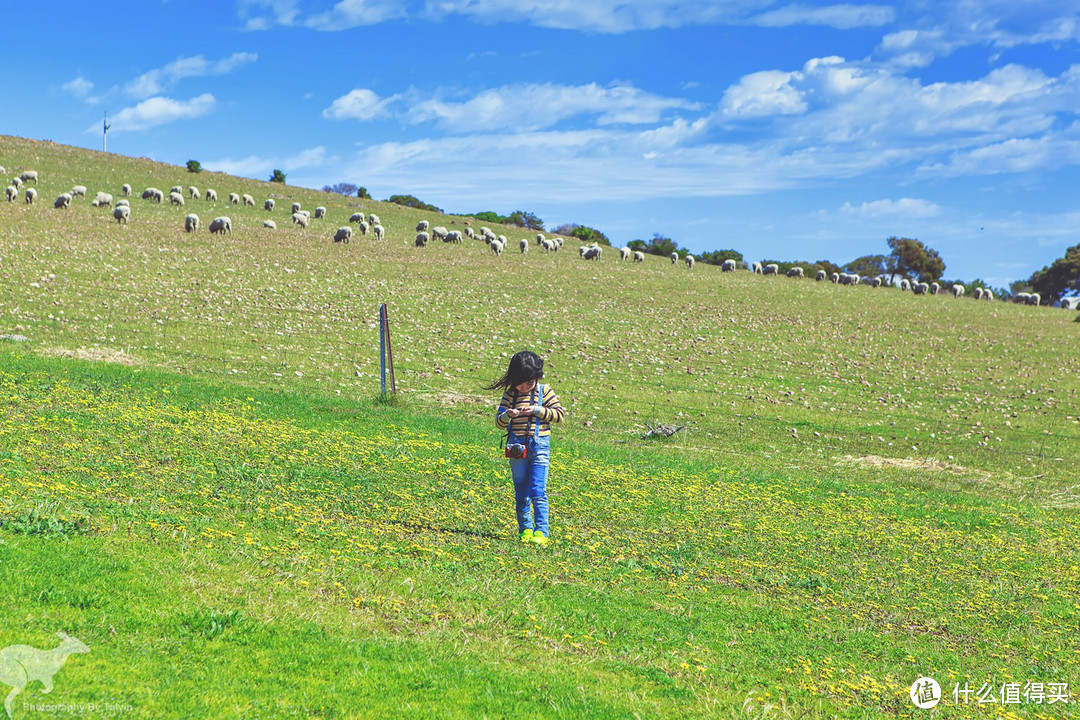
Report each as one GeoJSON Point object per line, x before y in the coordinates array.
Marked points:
{"type": "Point", "coordinates": [530, 475]}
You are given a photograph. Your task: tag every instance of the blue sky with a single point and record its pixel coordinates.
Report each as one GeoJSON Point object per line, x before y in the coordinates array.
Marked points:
{"type": "Point", "coordinates": [785, 130]}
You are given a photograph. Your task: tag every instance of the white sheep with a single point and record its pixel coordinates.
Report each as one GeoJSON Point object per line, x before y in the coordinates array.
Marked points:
{"type": "Point", "coordinates": [31, 196]}
{"type": "Point", "coordinates": [343, 234]}
{"type": "Point", "coordinates": [935, 288]}
{"type": "Point", "coordinates": [639, 257]}
{"type": "Point", "coordinates": [958, 290]}
{"type": "Point", "coordinates": [123, 201]}
{"type": "Point", "coordinates": [176, 198]}
{"type": "Point", "coordinates": [248, 200]}
{"type": "Point", "coordinates": [819, 275]}
{"type": "Point", "coordinates": [674, 258]}
{"type": "Point", "coordinates": [296, 207]}
{"type": "Point", "coordinates": [486, 233]}
{"type": "Point", "coordinates": [728, 265]}
{"type": "Point", "coordinates": [358, 218]}
{"type": "Point", "coordinates": [470, 233]}
{"type": "Point", "coordinates": [770, 269]}
{"type": "Point", "coordinates": [920, 288]}
{"type": "Point", "coordinates": [988, 294]}
{"type": "Point", "coordinates": [374, 220]}
{"type": "Point", "coordinates": [437, 233]}
{"type": "Point", "coordinates": [1070, 303]}
{"type": "Point", "coordinates": [1021, 298]}
{"type": "Point", "coordinates": [795, 272]}
{"type": "Point", "coordinates": [122, 213]}
{"type": "Point", "coordinates": [193, 192]}
{"type": "Point", "coordinates": [1034, 299]}
{"type": "Point", "coordinates": [364, 227]}
{"type": "Point", "coordinates": [977, 293]}
{"type": "Point", "coordinates": [220, 225]}
{"type": "Point", "coordinates": [875, 282]}
{"type": "Point", "coordinates": [300, 219]}
{"type": "Point", "coordinates": [211, 195]}
{"type": "Point", "coordinates": [905, 284]}
{"type": "Point", "coordinates": [320, 212]}
{"type": "Point", "coordinates": [549, 245]}
{"type": "Point", "coordinates": [148, 193]}
{"type": "Point", "coordinates": [268, 205]}
{"type": "Point", "coordinates": [624, 253]}
{"type": "Point", "coordinates": [497, 246]}
{"type": "Point", "coordinates": [103, 199]}
{"type": "Point", "coordinates": [454, 236]}
{"type": "Point", "coordinates": [159, 197]}
{"type": "Point", "coordinates": [234, 198]}
{"type": "Point", "coordinates": [29, 175]}
{"type": "Point", "coordinates": [422, 239]}
{"type": "Point", "coordinates": [592, 252]}
{"type": "Point", "coordinates": [523, 243]}
{"type": "Point", "coordinates": [191, 223]}
{"type": "Point", "coordinates": [690, 262]}
{"type": "Point", "coordinates": [17, 182]}
{"type": "Point", "coordinates": [503, 240]}
{"type": "Point", "coordinates": [78, 191]}
{"type": "Point", "coordinates": [125, 190]}
{"type": "Point", "coordinates": [834, 278]}
{"type": "Point", "coordinates": [379, 232]}
{"type": "Point", "coordinates": [177, 189]}
{"type": "Point", "coordinates": [62, 201]}
{"type": "Point", "coordinates": [11, 192]}
{"type": "Point", "coordinates": [757, 269]}
{"type": "Point", "coordinates": [270, 224]}
{"type": "Point", "coordinates": [421, 226]}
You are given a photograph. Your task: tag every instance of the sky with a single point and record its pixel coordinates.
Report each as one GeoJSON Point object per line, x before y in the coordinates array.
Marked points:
{"type": "Point", "coordinates": [784, 130]}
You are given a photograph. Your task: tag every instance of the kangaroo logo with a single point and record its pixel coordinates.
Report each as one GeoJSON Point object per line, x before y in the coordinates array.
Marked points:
{"type": "Point", "coordinates": [21, 664]}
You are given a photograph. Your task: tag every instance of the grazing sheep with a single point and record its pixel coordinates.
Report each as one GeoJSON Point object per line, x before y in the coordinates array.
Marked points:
{"type": "Point", "coordinates": [364, 227]}
{"type": "Point", "coordinates": [193, 192]}
{"type": "Point", "coordinates": [270, 224]}
{"type": "Point", "coordinates": [358, 218]}
{"type": "Point", "coordinates": [296, 207]}
{"type": "Point", "coordinates": [28, 176]}
{"type": "Point", "coordinates": [63, 201]}
{"type": "Point", "coordinates": [102, 199]}
{"type": "Point", "coordinates": [177, 189]}
{"type": "Point", "coordinates": [422, 239]}
{"type": "Point", "coordinates": [771, 269]}
{"type": "Point", "coordinates": [31, 196]}
{"type": "Point", "coordinates": [122, 213]}
{"type": "Point", "coordinates": [549, 245]}
{"type": "Point", "coordinates": [1070, 303]}
{"type": "Point", "coordinates": [674, 258]}
{"type": "Point", "coordinates": [834, 278]}
{"type": "Point", "coordinates": [125, 190]}
{"type": "Point", "coordinates": [17, 182]}
{"type": "Point", "coordinates": [690, 262]}
{"type": "Point", "coordinates": [123, 201]}
{"type": "Point", "coordinates": [728, 265]}
{"type": "Point", "coordinates": [191, 223]}
{"type": "Point", "coordinates": [486, 233]}
{"type": "Point", "coordinates": [592, 252]}
{"type": "Point", "coordinates": [220, 225]}
{"type": "Point", "coordinates": [234, 198]}
{"type": "Point", "coordinates": [624, 252]}
{"type": "Point", "coordinates": [269, 205]}
{"type": "Point", "coordinates": [1021, 298]}
{"type": "Point", "coordinates": [497, 246]}
{"type": "Point", "coordinates": [379, 232]}
{"type": "Point", "coordinates": [523, 243]}
{"type": "Point", "coordinates": [320, 212]}
{"type": "Point", "coordinates": [795, 272]}
{"type": "Point", "coordinates": [977, 293]}
{"type": "Point", "coordinates": [935, 288]}
{"type": "Point", "coordinates": [920, 288]}
{"type": "Point", "coordinates": [78, 191]}
{"type": "Point", "coordinates": [437, 233]}
{"type": "Point", "coordinates": [176, 198]}
{"type": "Point", "coordinates": [875, 282]}
{"type": "Point", "coordinates": [639, 257]}
{"type": "Point", "coordinates": [421, 226]}
{"type": "Point", "coordinates": [300, 219]}
{"type": "Point", "coordinates": [11, 192]}
{"type": "Point", "coordinates": [343, 234]}
{"type": "Point", "coordinates": [470, 233]}
{"type": "Point", "coordinates": [374, 220]}
{"type": "Point", "coordinates": [1034, 299]}
{"type": "Point", "coordinates": [248, 200]}
{"type": "Point", "coordinates": [454, 236]}
{"type": "Point", "coordinates": [211, 195]}
{"type": "Point", "coordinates": [988, 294]}
{"type": "Point", "coordinates": [819, 275]}
{"type": "Point", "coordinates": [503, 240]}
{"type": "Point", "coordinates": [957, 290]}
{"type": "Point", "coordinates": [905, 284]}
{"type": "Point", "coordinates": [159, 197]}
{"type": "Point", "coordinates": [148, 193]}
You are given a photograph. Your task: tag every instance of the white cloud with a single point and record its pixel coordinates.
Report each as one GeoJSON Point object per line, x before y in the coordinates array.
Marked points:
{"type": "Point", "coordinates": [156, 81]}
{"type": "Point", "coordinates": [904, 207]}
{"type": "Point", "coordinates": [256, 166]}
{"type": "Point", "coordinates": [842, 16]}
{"type": "Point", "coordinates": [769, 92]}
{"type": "Point", "coordinates": [80, 87]}
{"type": "Point", "coordinates": [358, 104]}
{"type": "Point", "coordinates": [159, 111]}
{"type": "Point", "coordinates": [355, 13]}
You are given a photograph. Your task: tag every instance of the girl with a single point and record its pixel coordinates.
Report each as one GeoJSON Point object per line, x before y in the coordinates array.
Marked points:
{"type": "Point", "coordinates": [526, 411]}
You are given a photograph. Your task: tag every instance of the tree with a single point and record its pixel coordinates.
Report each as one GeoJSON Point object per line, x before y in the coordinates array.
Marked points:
{"type": "Point", "coordinates": [868, 265]}
{"type": "Point", "coordinates": [525, 219]}
{"type": "Point", "coordinates": [346, 189]}
{"type": "Point", "coordinates": [717, 257]}
{"type": "Point", "coordinates": [194, 166]}
{"type": "Point", "coordinates": [589, 235]}
{"type": "Point", "coordinates": [413, 202]}
{"type": "Point", "coordinates": [278, 177]}
{"type": "Point", "coordinates": [910, 258]}
{"type": "Point", "coordinates": [1060, 277]}
{"type": "Point", "coordinates": [362, 193]}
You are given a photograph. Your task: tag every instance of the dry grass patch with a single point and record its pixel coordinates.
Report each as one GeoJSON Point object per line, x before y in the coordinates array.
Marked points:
{"type": "Point", "coordinates": [96, 354]}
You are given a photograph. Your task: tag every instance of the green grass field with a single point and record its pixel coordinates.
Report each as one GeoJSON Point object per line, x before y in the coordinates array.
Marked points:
{"type": "Point", "coordinates": [199, 481]}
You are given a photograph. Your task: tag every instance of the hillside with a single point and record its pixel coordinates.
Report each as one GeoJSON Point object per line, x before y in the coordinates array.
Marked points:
{"type": "Point", "coordinates": [871, 486]}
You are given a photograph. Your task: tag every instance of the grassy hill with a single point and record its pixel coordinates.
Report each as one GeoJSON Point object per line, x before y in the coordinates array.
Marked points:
{"type": "Point", "coordinates": [198, 481]}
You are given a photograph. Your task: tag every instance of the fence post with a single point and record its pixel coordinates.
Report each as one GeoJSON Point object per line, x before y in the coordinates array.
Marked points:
{"type": "Point", "coordinates": [386, 353]}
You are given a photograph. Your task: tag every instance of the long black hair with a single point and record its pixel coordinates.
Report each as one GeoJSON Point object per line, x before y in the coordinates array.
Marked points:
{"type": "Point", "coordinates": [524, 366]}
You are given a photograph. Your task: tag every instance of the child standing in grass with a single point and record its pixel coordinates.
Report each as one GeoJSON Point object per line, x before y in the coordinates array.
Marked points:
{"type": "Point", "coordinates": [526, 411]}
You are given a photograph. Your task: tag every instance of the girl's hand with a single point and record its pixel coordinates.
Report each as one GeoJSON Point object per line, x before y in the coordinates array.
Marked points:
{"type": "Point", "coordinates": [533, 410]}
{"type": "Point", "coordinates": [513, 413]}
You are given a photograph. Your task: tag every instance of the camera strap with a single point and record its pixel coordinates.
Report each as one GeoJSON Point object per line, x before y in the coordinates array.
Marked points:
{"type": "Point", "coordinates": [536, 429]}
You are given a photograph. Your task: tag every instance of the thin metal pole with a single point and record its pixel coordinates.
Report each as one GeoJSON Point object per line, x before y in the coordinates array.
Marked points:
{"type": "Point", "coordinates": [389, 352]}
{"type": "Point", "coordinates": [382, 345]}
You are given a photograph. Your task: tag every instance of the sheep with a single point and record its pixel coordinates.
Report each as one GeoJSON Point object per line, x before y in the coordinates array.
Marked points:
{"type": "Point", "coordinates": [159, 197]}
{"type": "Point", "coordinates": [78, 191]}
{"type": "Point", "coordinates": [437, 233]}
{"type": "Point", "coordinates": [957, 290]}
{"type": "Point", "coordinates": [268, 205]}
{"type": "Point", "coordinates": [795, 272]}
{"type": "Point", "coordinates": [639, 257]}
{"type": "Point", "coordinates": [63, 201]}
{"type": "Point", "coordinates": [674, 258]}
{"type": "Point", "coordinates": [374, 220]}
{"type": "Point", "coordinates": [470, 233]}
{"type": "Point", "coordinates": [191, 223]}
{"type": "Point", "coordinates": [1021, 298]}
{"type": "Point", "coordinates": [193, 192]}
{"type": "Point", "coordinates": [148, 193]}
{"type": "Point", "coordinates": [988, 294]}
{"type": "Point", "coordinates": [1034, 299]}
{"type": "Point", "coordinates": [176, 198]}
{"type": "Point", "coordinates": [421, 226]}
{"type": "Point", "coordinates": [977, 293]}
{"type": "Point", "coordinates": [3, 170]}
{"type": "Point", "coordinates": [122, 213]}
{"type": "Point", "coordinates": [320, 212]}
{"type": "Point", "coordinates": [125, 190]}
{"type": "Point", "coordinates": [343, 234]}
{"type": "Point", "coordinates": [248, 200]}
{"type": "Point", "coordinates": [31, 196]}
{"type": "Point", "coordinates": [523, 243]}
{"type": "Point", "coordinates": [834, 278]}
{"type": "Point", "coordinates": [454, 236]}
{"type": "Point", "coordinates": [234, 198]}
{"type": "Point", "coordinates": [497, 247]}
{"type": "Point", "coordinates": [728, 265]}
{"type": "Point", "coordinates": [123, 202]}
{"type": "Point", "coordinates": [103, 199]}
{"type": "Point", "coordinates": [624, 252]}
{"type": "Point", "coordinates": [29, 175]}
{"type": "Point", "coordinates": [592, 252]}
{"type": "Point", "coordinates": [422, 239]}
{"type": "Point", "coordinates": [920, 288]}
{"type": "Point", "coordinates": [177, 189]}
{"type": "Point", "coordinates": [848, 278]}
{"type": "Point", "coordinates": [819, 275]}
{"type": "Point", "coordinates": [549, 245]}
{"type": "Point", "coordinates": [17, 182]}
{"type": "Point", "coordinates": [305, 213]}
{"type": "Point", "coordinates": [300, 219]}
{"type": "Point", "coordinates": [558, 243]}
{"type": "Point", "coordinates": [486, 233]}
{"type": "Point", "coordinates": [503, 240]}
{"type": "Point", "coordinates": [935, 288]}
{"type": "Point", "coordinates": [211, 195]}
{"type": "Point", "coordinates": [270, 224]}
{"type": "Point", "coordinates": [364, 227]}
{"type": "Point", "coordinates": [12, 192]}
{"type": "Point", "coordinates": [1070, 303]}
{"type": "Point", "coordinates": [379, 232]}
{"type": "Point", "coordinates": [875, 282]}
{"type": "Point", "coordinates": [771, 269]}
{"type": "Point", "coordinates": [358, 218]}
{"type": "Point", "coordinates": [220, 225]}
{"type": "Point", "coordinates": [296, 207]}
{"type": "Point", "coordinates": [690, 262]}
{"type": "Point", "coordinates": [905, 284]}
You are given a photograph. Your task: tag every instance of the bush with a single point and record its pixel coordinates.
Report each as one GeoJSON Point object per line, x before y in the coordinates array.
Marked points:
{"type": "Point", "coordinates": [346, 189]}
{"type": "Point", "coordinates": [278, 177]}
{"type": "Point", "coordinates": [194, 166]}
{"type": "Point", "coordinates": [412, 202]}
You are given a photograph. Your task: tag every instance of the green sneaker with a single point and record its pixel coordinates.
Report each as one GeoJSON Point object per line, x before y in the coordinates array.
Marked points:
{"type": "Point", "coordinates": [527, 535]}
{"type": "Point", "coordinates": [539, 538]}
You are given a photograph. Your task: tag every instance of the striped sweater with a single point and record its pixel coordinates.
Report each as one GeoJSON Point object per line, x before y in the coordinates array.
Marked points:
{"type": "Point", "coordinates": [551, 411]}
